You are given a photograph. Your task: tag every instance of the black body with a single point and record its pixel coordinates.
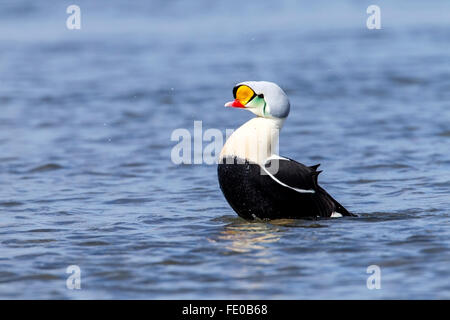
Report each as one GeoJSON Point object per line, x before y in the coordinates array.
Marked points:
{"type": "Point", "coordinates": [253, 194]}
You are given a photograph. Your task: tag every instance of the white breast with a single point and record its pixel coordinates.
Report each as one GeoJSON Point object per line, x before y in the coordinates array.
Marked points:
{"type": "Point", "coordinates": [256, 140]}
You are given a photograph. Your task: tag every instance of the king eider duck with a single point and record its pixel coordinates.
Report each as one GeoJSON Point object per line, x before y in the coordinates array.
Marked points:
{"type": "Point", "coordinates": [256, 182]}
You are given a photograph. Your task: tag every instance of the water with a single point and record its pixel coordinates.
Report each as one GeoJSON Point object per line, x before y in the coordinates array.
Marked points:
{"type": "Point", "coordinates": [85, 171]}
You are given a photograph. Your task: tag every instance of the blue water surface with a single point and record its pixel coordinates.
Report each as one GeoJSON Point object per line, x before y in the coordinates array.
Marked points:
{"type": "Point", "coordinates": [86, 176]}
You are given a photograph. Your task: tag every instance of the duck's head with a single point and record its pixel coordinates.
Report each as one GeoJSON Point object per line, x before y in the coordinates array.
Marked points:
{"type": "Point", "coordinates": [263, 98]}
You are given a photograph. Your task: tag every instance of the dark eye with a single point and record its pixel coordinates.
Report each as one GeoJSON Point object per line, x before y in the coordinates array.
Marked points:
{"type": "Point", "coordinates": [261, 96]}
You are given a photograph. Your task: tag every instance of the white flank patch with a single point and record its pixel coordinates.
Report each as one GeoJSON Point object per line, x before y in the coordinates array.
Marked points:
{"type": "Point", "coordinates": [336, 215]}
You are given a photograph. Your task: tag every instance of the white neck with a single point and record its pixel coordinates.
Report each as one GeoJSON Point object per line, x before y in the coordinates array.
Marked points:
{"type": "Point", "coordinates": [255, 141]}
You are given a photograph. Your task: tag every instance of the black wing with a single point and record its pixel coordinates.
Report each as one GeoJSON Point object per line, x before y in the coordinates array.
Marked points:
{"type": "Point", "coordinates": [293, 174]}
{"type": "Point", "coordinates": [303, 178]}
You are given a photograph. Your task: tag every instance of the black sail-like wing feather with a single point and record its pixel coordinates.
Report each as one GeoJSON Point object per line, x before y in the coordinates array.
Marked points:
{"type": "Point", "coordinates": [293, 173]}
{"type": "Point", "coordinates": [299, 176]}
